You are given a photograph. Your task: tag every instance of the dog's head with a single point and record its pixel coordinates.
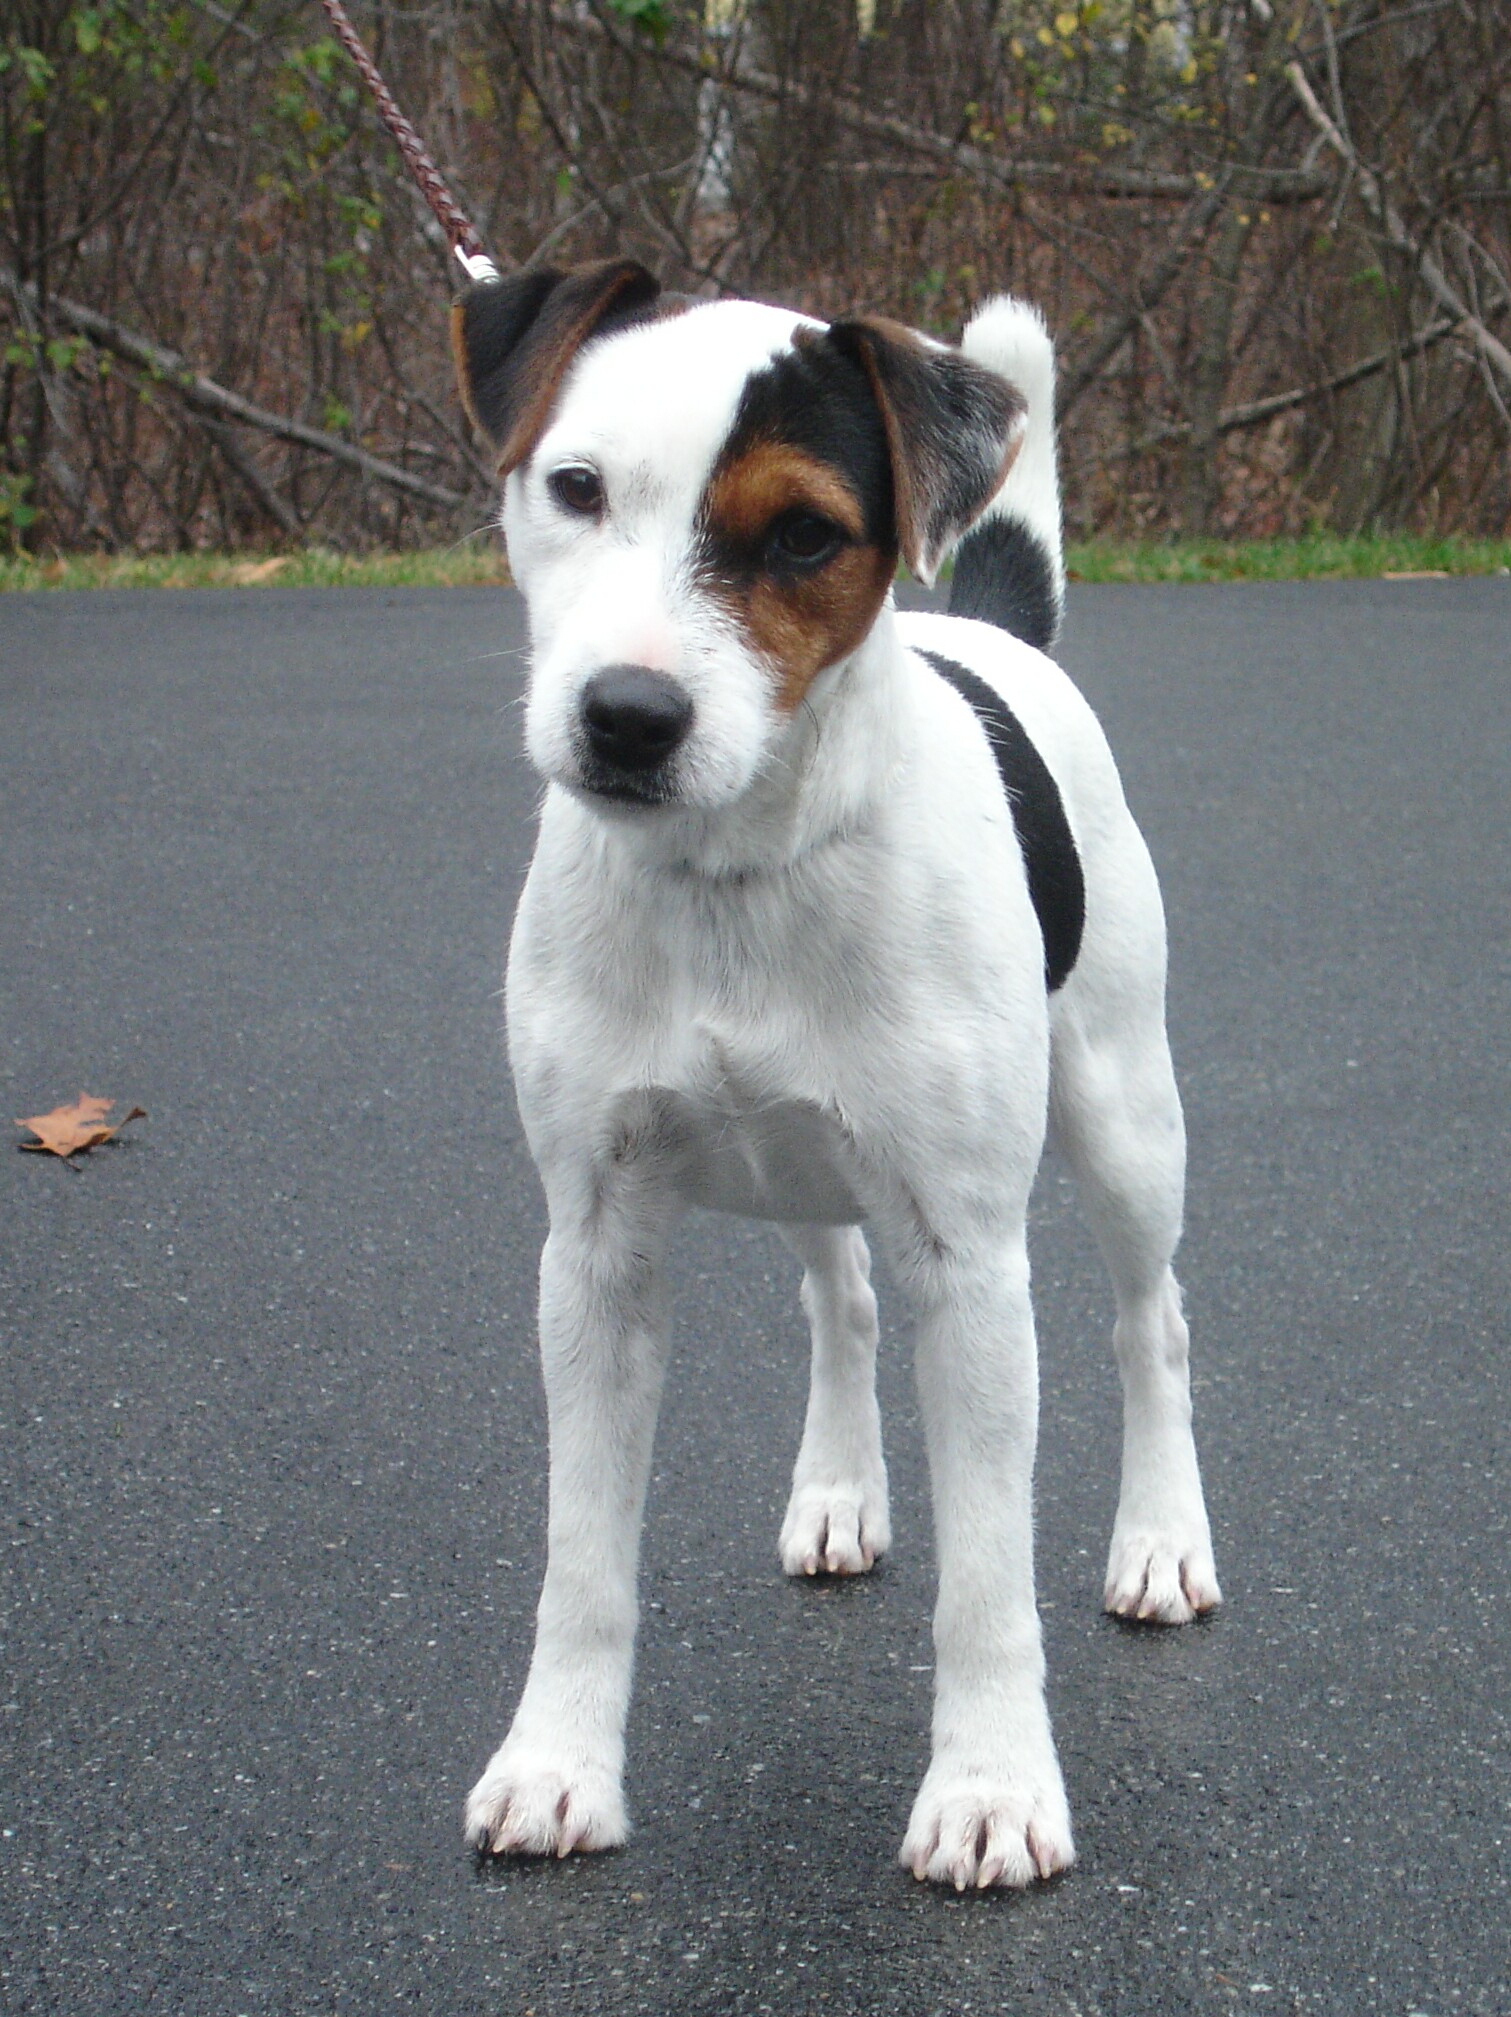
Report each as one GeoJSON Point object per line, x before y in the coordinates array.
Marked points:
{"type": "Point", "coordinates": [705, 504]}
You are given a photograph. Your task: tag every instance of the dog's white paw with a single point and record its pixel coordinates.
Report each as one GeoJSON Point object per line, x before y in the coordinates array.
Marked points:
{"type": "Point", "coordinates": [835, 1530]}
{"type": "Point", "coordinates": [1161, 1576]}
{"type": "Point", "coordinates": [533, 1803]}
{"type": "Point", "coordinates": [977, 1828]}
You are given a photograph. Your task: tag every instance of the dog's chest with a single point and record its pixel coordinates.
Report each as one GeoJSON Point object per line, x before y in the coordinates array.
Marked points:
{"type": "Point", "coordinates": [751, 1059]}
{"type": "Point", "coordinates": [726, 1033]}
{"type": "Point", "coordinates": [758, 1042]}
{"type": "Point", "coordinates": [743, 1140]}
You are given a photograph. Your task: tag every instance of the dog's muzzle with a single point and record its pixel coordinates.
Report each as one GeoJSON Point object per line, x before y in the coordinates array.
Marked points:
{"type": "Point", "coordinates": [633, 720]}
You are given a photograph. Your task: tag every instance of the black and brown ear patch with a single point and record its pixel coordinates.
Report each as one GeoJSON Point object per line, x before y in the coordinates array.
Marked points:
{"type": "Point", "coordinates": [799, 617]}
{"type": "Point", "coordinates": [952, 431]}
{"type": "Point", "coordinates": [514, 339]}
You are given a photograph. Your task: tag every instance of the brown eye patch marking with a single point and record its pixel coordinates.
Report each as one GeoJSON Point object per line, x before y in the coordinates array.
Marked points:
{"type": "Point", "coordinates": [748, 494]}
{"type": "Point", "coordinates": [800, 615]}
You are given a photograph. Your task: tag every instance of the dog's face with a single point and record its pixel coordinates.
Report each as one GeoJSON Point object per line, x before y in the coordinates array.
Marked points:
{"type": "Point", "coordinates": [705, 505]}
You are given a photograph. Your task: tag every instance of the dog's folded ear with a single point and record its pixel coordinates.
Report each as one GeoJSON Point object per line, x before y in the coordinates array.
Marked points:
{"type": "Point", "coordinates": [513, 340]}
{"type": "Point", "coordinates": [953, 430]}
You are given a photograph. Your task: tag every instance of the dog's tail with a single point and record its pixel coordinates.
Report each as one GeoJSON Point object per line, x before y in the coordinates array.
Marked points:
{"type": "Point", "coordinates": [1010, 568]}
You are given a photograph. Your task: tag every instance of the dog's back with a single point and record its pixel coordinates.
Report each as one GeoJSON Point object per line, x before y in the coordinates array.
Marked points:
{"type": "Point", "coordinates": [1009, 568]}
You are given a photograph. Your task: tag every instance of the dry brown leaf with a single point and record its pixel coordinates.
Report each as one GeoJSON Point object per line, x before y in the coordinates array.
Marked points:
{"type": "Point", "coordinates": [71, 1130]}
{"type": "Point", "coordinates": [248, 573]}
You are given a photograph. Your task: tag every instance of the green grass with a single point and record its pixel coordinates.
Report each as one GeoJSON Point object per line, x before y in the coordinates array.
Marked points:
{"type": "Point", "coordinates": [1321, 556]}
{"type": "Point", "coordinates": [475, 563]}
{"type": "Point", "coordinates": [479, 562]}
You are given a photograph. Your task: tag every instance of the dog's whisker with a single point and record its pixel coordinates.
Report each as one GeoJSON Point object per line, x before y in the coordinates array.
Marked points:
{"type": "Point", "coordinates": [493, 526]}
{"type": "Point", "coordinates": [504, 651]}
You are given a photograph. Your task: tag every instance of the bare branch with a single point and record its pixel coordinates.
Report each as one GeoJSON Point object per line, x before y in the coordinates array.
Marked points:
{"type": "Point", "coordinates": [203, 395]}
{"type": "Point", "coordinates": [1006, 172]}
{"type": "Point", "coordinates": [251, 478]}
{"type": "Point", "coordinates": [1389, 222]}
{"type": "Point", "coordinates": [1147, 294]}
{"type": "Point", "coordinates": [1256, 411]}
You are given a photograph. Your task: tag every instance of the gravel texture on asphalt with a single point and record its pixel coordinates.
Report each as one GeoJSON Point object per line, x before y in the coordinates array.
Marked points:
{"type": "Point", "coordinates": [272, 1460]}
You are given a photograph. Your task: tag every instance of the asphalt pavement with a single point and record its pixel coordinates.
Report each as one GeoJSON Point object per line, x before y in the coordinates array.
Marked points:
{"type": "Point", "coordinates": [273, 1434]}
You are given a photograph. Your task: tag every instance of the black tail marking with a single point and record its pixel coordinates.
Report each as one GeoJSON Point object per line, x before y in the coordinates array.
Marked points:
{"type": "Point", "coordinates": [1004, 576]}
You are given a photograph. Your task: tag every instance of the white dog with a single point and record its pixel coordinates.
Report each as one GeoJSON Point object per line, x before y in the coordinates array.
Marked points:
{"type": "Point", "coordinates": [832, 907]}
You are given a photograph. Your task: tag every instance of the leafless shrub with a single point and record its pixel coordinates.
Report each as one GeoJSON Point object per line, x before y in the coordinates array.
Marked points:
{"type": "Point", "coordinates": [1273, 237]}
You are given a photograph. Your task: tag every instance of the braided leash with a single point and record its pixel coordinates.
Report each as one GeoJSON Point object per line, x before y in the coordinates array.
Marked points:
{"type": "Point", "coordinates": [453, 220]}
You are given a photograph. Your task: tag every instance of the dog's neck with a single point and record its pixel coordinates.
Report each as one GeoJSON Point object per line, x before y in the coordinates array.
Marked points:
{"type": "Point", "coordinates": [824, 782]}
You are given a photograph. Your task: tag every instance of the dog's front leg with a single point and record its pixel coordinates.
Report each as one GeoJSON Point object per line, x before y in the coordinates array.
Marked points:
{"type": "Point", "coordinates": [555, 1783]}
{"type": "Point", "coordinates": [992, 1807]}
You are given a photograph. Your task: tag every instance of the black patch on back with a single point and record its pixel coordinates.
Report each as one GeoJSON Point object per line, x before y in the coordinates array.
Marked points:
{"type": "Point", "coordinates": [815, 398]}
{"type": "Point", "coordinates": [1053, 867]}
{"type": "Point", "coordinates": [1003, 576]}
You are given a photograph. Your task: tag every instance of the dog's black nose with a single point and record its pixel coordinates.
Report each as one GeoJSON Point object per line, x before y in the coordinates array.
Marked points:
{"type": "Point", "coordinates": [634, 717]}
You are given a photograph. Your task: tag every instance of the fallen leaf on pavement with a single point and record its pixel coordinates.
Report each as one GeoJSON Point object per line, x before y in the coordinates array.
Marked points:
{"type": "Point", "coordinates": [71, 1130]}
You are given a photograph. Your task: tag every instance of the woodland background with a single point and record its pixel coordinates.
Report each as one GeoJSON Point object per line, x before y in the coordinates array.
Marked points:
{"type": "Point", "coordinates": [1272, 237]}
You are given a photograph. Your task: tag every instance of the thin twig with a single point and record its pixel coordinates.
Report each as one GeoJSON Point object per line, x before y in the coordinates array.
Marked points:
{"type": "Point", "coordinates": [1257, 411]}
{"type": "Point", "coordinates": [251, 478]}
{"type": "Point", "coordinates": [1389, 221]}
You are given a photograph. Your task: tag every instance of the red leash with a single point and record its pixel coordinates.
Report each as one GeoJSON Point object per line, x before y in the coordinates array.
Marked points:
{"type": "Point", "coordinates": [453, 220]}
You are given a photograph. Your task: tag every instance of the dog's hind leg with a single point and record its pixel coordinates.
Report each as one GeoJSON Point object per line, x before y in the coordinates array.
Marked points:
{"type": "Point", "coordinates": [1117, 1115]}
{"type": "Point", "coordinates": [837, 1519]}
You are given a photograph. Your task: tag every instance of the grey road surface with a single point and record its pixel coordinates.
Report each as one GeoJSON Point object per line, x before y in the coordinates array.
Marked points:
{"type": "Point", "coordinates": [272, 1448]}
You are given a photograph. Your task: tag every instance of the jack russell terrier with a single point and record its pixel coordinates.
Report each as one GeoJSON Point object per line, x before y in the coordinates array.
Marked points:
{"type": "Point", "coordinates": [833, 909]}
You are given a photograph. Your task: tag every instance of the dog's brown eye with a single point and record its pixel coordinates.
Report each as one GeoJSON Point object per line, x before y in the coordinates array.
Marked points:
{"type": "Point", "coordinates": [577, 489]}
{"type": "Point", "coordinates": [802, 537]}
